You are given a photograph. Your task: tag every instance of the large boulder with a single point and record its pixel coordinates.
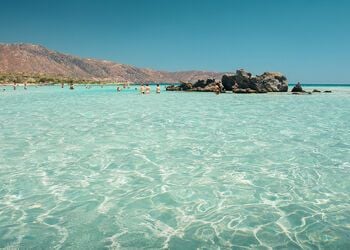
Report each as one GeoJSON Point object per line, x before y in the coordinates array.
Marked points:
{"type": "Point", "coordinates": [203, 83]}
{"type": "Point", "coordinates": [267, 82]}
{"type": "Point", "coordinates": [173, 88]}
{"type": "Point", "coordinates": [199, 84]}
{"type": "Point", "coordinates": [212, 86]}
{"type": "Point", "coordinates": [183, 86]}
{"type": "Point", "coordinates": [242, 78]}
{"type": "Point", "coordinates": [227, 81]}
{"type": "Point", "coordinates": [209, 85]}
{"type": "Point", "coordinates": [273, 82]}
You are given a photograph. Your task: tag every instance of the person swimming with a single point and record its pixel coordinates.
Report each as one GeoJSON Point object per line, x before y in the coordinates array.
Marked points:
{"type": "Point", "coordinates": [148, 89]}
{"type": "Point", "coordinates": [158, 89]}
{"type": "Point", "coordinates": [142, 89]}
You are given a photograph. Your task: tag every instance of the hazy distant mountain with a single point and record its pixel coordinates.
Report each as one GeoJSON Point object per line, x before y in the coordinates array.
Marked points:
{"type": "Point", "coordinates": [36, 59]}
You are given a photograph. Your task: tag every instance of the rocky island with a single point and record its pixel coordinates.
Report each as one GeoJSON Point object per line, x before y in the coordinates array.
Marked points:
{"type": "Point", "coordinates": [240, 82]}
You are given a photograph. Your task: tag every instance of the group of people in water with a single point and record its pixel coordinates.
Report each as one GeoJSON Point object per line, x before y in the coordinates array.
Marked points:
{"type": "Point", "coordinates": [144, 89]}
{"type": "Point", "coordinates": [147, 89]}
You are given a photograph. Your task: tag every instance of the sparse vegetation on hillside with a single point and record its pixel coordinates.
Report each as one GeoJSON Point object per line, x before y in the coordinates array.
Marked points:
{"type": "Point", "coordinates": [46, 66]}
{"type": "Point", "coordinates": [40, 79]}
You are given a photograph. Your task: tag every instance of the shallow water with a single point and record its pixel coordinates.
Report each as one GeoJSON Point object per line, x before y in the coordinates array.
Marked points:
{"type": "Point", "coordinates": [94, 169]}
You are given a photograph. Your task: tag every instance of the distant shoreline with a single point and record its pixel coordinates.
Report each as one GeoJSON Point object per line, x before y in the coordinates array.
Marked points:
{"type": "Point", "coordinates": [306, 85]}
{"type": "Point", "coordinates": [84, 83]}
{"type": "Point", "coordinates": [44, 79]}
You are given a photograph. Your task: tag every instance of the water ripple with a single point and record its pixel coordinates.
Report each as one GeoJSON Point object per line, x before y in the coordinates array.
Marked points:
{"type": "Point", "coordinates": [105, 170]}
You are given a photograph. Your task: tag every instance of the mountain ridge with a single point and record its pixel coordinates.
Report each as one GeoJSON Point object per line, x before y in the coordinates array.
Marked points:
{"type": "Point", "coordinates": [24, 58]}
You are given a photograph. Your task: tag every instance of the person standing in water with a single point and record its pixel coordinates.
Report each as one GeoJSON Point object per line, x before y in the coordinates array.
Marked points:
{"type": "Point", "coordinates": [62, 85]}
{"type": "Point", "coordinates": [71, 87]}
{"type": "Point", "coordinates": [148, 89]}
{"type": "Point", "coordinates": [142, 89]}
{"type": "Point", "coordinates": [14, 86]}
{"type": "Point", "coordinates": [158, 89]}
{"type": "Point", "coordinates": [25, 86]}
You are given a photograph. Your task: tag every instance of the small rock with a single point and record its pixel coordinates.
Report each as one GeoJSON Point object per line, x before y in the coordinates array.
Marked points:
{"type": "Point", "coordinates": [297, 88]}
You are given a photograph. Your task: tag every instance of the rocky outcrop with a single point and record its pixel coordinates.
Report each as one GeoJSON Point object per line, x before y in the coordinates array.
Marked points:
{"type": "Point", "coordinates": [241, 82]}
{"type": "Point", "coordinates": [297, 88]}
{"type": "Point", "coordinates": [245, 82]}
{"type": "Point", "coordinates": [209, 85]}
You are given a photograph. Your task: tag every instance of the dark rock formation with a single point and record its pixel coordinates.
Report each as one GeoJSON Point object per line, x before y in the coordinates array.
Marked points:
{"type": "Point", "coordinates": [273, 82]}
{"type": "Point", "coordinates": [316, 91]}
{"type": "Point", "coordinates": [267, 82]}
{"type": "Point", "coordinates": [241, 82]}
{"type": "Point", "coordinates": [302, 93]}
{"type": "Point", "coordinates": [327, 91]}
{"type": "Point", "coordinates": [227, 82]}
{"type": "Point", "coordinates": [186, 86]}
{"type": "Point", "coordinates": [209, 85]}
{"type": "Point", "coordinates": [183, 86]}
{"type": "Point", "coordinates": [202, 83]}
{"type": "Point", "coordinates": [245, 91]}
{"type": "Point", "coordinates": [297, 88]}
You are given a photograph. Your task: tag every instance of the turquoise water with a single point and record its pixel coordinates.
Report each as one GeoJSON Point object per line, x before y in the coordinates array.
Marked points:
{"type": "Point", "coordinates": [96, 169]}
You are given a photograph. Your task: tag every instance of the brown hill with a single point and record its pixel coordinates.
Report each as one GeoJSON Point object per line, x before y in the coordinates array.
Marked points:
{"type": "Point", "coordinates": [36, 59]}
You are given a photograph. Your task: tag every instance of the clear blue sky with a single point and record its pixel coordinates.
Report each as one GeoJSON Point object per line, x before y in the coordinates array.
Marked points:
{"type": "Point", "coordinates": [308, 40]}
